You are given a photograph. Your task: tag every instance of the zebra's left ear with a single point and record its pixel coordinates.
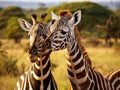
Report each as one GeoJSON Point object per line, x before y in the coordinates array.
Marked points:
{"type": "Point", "coordinates": [75, 18]}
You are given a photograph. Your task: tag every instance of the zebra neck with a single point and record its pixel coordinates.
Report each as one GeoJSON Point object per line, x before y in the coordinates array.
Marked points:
{"type": "Point", "coordinates": [76, 66]}
{"type": "Point", "coordinates": [40, 73]}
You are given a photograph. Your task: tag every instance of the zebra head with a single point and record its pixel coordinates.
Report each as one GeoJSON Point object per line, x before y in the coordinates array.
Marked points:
{"type": "Point", "coordinates": [38, 32]}
{"type": "Point", "coordinates": [62, 30]}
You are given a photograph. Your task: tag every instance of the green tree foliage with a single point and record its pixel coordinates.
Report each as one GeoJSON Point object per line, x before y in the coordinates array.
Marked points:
{"type": "Point", "coordinates": [113, 27]}
{"type": "Point", "coordinates": [8, 13]}
{"type": "Point", "coordinates": [12, 11]}
{"type": "Point", "coordinates": [92, 13]}
{"type": "Point", "coordinates": [13, 29]}
{"type": "Point", "coordinates": [117, 12]}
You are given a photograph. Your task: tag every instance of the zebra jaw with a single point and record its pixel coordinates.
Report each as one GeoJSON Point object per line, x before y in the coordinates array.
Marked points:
{"type": "Point", "coordinates": [32, 58]}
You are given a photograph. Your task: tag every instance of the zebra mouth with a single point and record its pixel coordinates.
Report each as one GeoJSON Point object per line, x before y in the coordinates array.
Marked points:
{"type": "Point", "coordinates": [33, 58]}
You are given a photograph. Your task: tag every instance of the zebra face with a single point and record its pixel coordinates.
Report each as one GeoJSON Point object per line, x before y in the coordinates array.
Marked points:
{"type": "Point", "coordinates": [59, 38]}
{"type": "Point", "coordinates": [38, 33]}
{"type": "Point", "coordinates": [38, 48]}
{"type": "Point", "coordinates": [63, 30]}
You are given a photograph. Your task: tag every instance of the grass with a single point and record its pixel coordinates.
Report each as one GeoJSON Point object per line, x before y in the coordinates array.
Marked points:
{"type": "Point", "coordinates": [103, 59]}
{"type": "Point", "coordinates": [7, 82]}
{"type": "Point", "coordinates": [60, 72]}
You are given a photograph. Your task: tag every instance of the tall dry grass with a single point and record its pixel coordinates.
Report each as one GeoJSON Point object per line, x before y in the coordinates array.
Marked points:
{"type": "Point", "coordinates": [104, 60]}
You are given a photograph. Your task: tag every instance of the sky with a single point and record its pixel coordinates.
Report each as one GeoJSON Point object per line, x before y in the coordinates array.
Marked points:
{"type": "Point", "coordinates": [45, 1]}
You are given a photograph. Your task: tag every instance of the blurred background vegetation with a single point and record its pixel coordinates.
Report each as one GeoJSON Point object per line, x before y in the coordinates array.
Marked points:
{"type": "Point", "coordinates": [99, 29]}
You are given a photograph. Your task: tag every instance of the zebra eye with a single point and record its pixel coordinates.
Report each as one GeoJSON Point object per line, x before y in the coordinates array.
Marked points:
{"type": "Point", "coordinates": [53, 21]}
{"type": "Point", "coordinates": [63, 32]}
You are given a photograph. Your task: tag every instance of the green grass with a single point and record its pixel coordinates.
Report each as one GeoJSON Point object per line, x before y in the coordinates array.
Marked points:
{"type": "Point", "coordinates": [104, 60]}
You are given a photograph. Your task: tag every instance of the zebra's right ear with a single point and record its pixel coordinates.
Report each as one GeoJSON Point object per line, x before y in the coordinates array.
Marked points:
{"type": "Point", "coordinates": [24, 24]}
{"type": "Point", "coordinates": [54, 16]}
{"type": "Point", "coordinates": [75, 18]}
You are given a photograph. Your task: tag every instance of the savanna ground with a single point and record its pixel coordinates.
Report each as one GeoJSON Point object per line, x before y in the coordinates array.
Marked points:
{"type": "Point", "coordinates": [104, 60]}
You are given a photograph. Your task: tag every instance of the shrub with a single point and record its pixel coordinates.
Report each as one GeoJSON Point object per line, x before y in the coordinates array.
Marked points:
{"type": "Point", "coordinates": [7, 63]}
{"type": "Point", "coordinates": [117, 47]}
{"type": "Point", "coordinates": [25, 46]}
{"type": "Point", "coordinates": [13, 30]}
{"type": "Point", "coordinates": [93, 42]}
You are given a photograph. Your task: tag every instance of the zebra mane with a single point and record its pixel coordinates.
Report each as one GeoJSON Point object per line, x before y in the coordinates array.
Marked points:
{"type": "Point", "coordinates": [85, 54]}
{"type": "Point", "coordinates": [66, 13]}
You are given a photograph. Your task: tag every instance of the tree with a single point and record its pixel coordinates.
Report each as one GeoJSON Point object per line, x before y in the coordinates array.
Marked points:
{"type": "Point", "coordinates": [8, 13]}
{"type": "Point", "coordinates": [113, 27]}
{"type": "Point", "coordinates": [12, 11]}
{"type": "Point", "coordinates": [13, 30]}
{"type": "Point", "coordinates": [92, 13]}
{"type": "Point", "coordinates": [117, 13]}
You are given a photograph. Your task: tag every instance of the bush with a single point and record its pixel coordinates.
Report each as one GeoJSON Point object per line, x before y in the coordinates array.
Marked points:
{"type": "Point", "coordinates": [13, 30]}
{"type": "Point", "coordinates": [8, 13]}
{"type": "Point", "coordinates": [7, 63]}
{"type": "Point", "coordinates": [25, 46]}
{"type": "Point", "coordinates": [93, 42]}
{"type": "Point", "coordinates": [117, 47]}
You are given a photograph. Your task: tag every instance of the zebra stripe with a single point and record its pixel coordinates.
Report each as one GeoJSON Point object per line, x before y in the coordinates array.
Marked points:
{"type": "Point", "coordinates": [38, 77]}
{"type": "Point", "coordinates": [114, 78]}
{"type": "Point", "coordinates": [81, 74]}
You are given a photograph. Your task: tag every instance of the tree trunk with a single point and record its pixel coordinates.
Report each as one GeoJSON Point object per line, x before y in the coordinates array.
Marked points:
{"type": "Point", "coordinates": [17, 40]}
{"type": "Point", "coordinates": [107, 39]}
{"type": "Point", "coordinates": [116, 39]}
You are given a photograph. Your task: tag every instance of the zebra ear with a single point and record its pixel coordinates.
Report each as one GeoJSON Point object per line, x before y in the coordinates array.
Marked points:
{"type": "Point", "coordinates": [75, 18]}
{"type": "Point", "coordinates": [54, 16]}
{"type": "Point", "coordinates": [24, 24]}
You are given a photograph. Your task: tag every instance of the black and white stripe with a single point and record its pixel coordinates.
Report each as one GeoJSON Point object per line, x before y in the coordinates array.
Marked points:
{"type": "Point", "coordinates": [38, 77]}
{"type": "Point", "coordinates": [81, 74]}
{"type": "Point", "coordinates": [114, 78]}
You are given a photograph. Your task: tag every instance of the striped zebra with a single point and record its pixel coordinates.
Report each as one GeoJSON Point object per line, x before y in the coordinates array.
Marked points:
{"type": "Point", "coordinates": [39, 76]}
{"type": "Point", "coordinates": [114, 78]}
{"type": "Point", "coordinates": [81, 75]}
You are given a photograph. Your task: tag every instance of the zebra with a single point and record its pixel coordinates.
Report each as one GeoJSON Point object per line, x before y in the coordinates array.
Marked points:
{"type": "Point", "coordinates": [81, 75]}
{"type": "Point", "coordinates": [39, 76]}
